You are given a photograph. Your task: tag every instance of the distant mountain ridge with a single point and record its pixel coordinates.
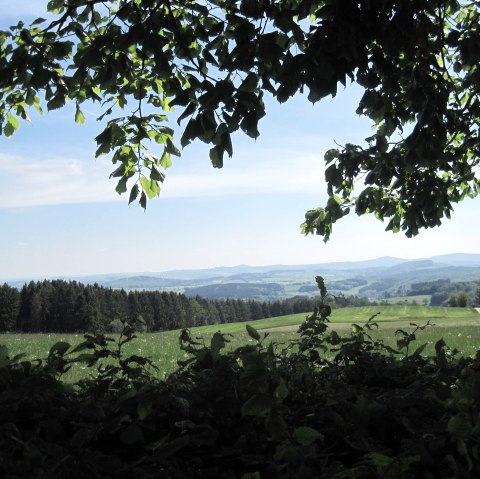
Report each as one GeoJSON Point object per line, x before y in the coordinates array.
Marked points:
{"type": "Point", "coordinates": [455, 259]}
{"type": "Point", "coordinates": [385, 274]}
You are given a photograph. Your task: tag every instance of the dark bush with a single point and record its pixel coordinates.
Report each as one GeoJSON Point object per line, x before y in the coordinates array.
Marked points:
{"type": "Point", "coordinates": [364, 410]}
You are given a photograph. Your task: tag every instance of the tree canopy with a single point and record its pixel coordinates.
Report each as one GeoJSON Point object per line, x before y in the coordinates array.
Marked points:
{"type": "Point", "coordinates": [214, 60]}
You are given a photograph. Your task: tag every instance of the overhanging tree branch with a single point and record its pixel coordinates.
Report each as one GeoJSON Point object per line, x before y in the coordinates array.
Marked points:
{"type": "Point", "coordinates": [391, 48]}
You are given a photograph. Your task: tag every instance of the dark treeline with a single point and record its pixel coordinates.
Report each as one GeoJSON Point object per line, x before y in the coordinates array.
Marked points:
{"type": "Point", "coordinates": [69, 306]}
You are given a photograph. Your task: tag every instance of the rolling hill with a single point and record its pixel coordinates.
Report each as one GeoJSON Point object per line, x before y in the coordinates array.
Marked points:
{"type": "Point", "coordinates": [375, 278]}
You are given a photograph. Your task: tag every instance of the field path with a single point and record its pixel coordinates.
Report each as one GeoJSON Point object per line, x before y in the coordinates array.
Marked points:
{"type": "Point", "coordinates": [340, 326]}
{"type": "Point", "coordinates": [281, 329]}
{"type": "Point", "coordinates": [293, 328]}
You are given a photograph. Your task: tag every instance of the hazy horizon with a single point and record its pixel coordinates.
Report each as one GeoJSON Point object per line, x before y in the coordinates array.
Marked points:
{"type": "Point", "coordinates": [217, 267]}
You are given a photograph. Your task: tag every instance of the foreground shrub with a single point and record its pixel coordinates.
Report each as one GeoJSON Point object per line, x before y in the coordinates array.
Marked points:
{"type": "Point", "coordinates": [259, 411]}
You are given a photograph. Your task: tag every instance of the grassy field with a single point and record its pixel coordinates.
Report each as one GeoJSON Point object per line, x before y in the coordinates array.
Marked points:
{"type": "Point", "coordinates": [422, 300]}
{"type": "Point", "coordinates": [390, 313]}
{"type": "Point", "coordinates": [406, 312]}
{"type": "Point", "coordinates": [459, 327]}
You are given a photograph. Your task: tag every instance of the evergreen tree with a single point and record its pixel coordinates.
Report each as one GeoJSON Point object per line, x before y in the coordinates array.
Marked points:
{"type": "Point", "coordinates": [9, 307]}
{"type": "Point", "coordinates": [256, 310]}
{"type": "Point", "coordinates": [199, 313]}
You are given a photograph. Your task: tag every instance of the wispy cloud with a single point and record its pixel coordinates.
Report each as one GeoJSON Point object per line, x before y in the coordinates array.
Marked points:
{"type": "Point", "coordinates": [32, 182]}
{"type": "Point", "coordinates": [253, 171]}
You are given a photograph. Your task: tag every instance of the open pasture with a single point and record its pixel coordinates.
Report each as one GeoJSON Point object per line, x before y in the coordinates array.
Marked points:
{"type": "Point", "coordinates": [459, 327]}
{"type": "Point", "coordinates": [342, 317]}
{"type": "Point", "coordinates": [421, 299]}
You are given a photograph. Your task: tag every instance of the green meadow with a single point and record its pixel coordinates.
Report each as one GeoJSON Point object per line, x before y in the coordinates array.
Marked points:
{"type": "Point", "coordinates": [421, 299]}
{"type": "Point", "coordinates": [459, 327]}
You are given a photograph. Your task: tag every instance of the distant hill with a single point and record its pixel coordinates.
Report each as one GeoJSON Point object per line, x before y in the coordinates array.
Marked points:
{"type": "Point", "coordinates": [142, 282]}
{"type": "Point", "coordinates": [458, 259]}
{"type": "Point", "coordinates": [374, 278]}
{"type": "Point", "coordinates": [237, 291]}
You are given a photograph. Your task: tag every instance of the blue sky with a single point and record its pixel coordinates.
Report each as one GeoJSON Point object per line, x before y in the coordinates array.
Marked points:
{"type": "Point", "coordinates": [60, 215]}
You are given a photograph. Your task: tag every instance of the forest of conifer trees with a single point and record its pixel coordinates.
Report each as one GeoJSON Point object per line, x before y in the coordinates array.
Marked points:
{"type": "Point", "coordinates": [68, 306]}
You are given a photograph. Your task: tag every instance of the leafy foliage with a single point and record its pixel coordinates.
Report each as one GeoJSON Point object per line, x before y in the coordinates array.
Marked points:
{"type": "Point", "coordinates": [371, 411]}
{"type": "Point", "coordinates": [214, 60]}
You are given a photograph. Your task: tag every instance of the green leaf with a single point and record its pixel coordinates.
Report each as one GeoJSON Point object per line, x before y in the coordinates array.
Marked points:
{"type": "Point", "coordinates": [217, 343]}
{"type": "Point", "coordinates": [321, 286]}
{"type": "Point", "coordinates": [5, 360]}
{"type": "Point", "coordinates": [253, 333]}
{"type": "Point", "coordinates": [258, 405]}
{"type": "Point", "coordinates": [187, 112]}
{"type": "Point", "coordinates": [171, 148]}
{"type": "Point", "coordinates": [59, 348]}
{"type": "Point", "coordinates": [305, 435]}
{"type": "Point", "coordinates": [79, 116]}
{"type": "Point", "coordinates": [121, 185]}
{"type": "Point", "coordinates": [281, 391]}
{"type": "Point", "coordinates": [219, 139]}
{"type": "Point", "coordinates": [104, 141]}
{"type": "Point", "coordinates": [38, 21]}
{"type": "Point", "coordinates": [331, 155]}
{"type": "Point", "coordinates": [144, 409]}
{"type": "Point", "coordinates": [250, 83]}
{"type": "Point", "coordinates": [420, 349]}
{"type": "Point", "coordinates": [12, 125]}
{"type": "Point", "coordinates": [249, 124]}
{"type": "Point", "coordinates": [333, 176]}
{"type": "Point", "coordinates": [216, 157]}
{"type": "Point", "coordinates": [38, 105]}
{"type": "Point", "coordinates": [143, 200]}
{"type": "Point", "coordinates": [88, 358]}
{"type": "Point", "coordinates": [315, 94]}
{"type": "Point", "coordinates": [119, 172]}
{"type": "Point", "coordinates": [440, 353]}
{"type": "Point", "coordinates": [133, 193]}
{"type": "Point", "coordinates": [380, 460]}
{"type": "Point", "coordinates": [192, 130]}
{"type": "Point", "coordinates": [58, 101]}
{"type": "Point", "coordinates": [56, 6]}
{"type": "Point", "coordinates": [356, 328]}
{"type": "Point", "coordinates": [150, 187]}
{"type": "Point", "coordinates": [166, 160]}
{"type": "Point", "coordinates": [251, 475]}
{"type": "Point", "coordinates": [156, 175]}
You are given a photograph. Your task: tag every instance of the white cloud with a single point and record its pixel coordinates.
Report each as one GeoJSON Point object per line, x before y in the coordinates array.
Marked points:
{"type": "Point", "coordinates": [32, 181]}
{"type": "Point", "coordinates": [273, 172]}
